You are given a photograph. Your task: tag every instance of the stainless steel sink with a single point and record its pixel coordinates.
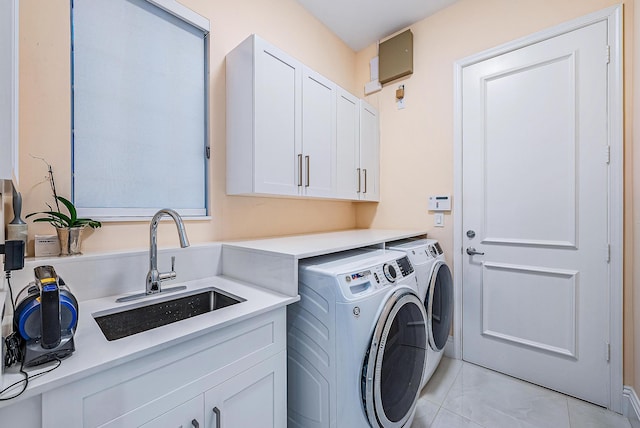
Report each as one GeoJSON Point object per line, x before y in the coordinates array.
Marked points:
{"type": "Point", "coordinates": [121, 322]}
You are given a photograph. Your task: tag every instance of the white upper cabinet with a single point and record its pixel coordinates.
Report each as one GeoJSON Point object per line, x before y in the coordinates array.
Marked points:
{"type": "Point", "coordinates": [292, 132]}
{"type": "Point", "coordinates": [9, 89]}
{"type": "Point", "coordinates": [358, 149]}
{"type": "Point", "coordinates": [369, 153]}
{"type": "Point", "coordinates": [263, 120]}
{"type": "Point", "coordinates": [348, 180]}
{"type": "Point", "coordinates": [317, 161]}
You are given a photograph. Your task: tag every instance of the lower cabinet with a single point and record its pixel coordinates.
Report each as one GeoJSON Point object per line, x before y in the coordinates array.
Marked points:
{"type": "Point", "coordinates": [253, 398]}
{"type": "Point", "coordinates": [185, 415]}
{"type": "Point", "coordinates": [233, 377]}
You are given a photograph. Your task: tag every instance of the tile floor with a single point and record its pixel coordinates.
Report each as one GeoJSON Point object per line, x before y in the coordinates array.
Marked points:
{"type": "Point", "coordinates": [465, 395]}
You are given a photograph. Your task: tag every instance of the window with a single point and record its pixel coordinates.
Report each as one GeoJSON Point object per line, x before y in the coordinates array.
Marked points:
{"type": "Point", "coordinates": [140, 108]}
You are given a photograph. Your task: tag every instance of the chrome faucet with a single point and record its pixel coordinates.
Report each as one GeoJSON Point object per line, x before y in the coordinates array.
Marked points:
{"type": "Point", "coordinates": [154, 278]}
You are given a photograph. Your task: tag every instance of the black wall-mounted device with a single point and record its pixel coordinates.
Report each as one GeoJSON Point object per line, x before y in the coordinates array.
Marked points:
{"type": "Point", "coordinates": [13, 255]}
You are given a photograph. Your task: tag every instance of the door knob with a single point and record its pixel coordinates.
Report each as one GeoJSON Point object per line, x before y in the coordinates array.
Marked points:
{"type": "Point", "coordinates": [472, 252]}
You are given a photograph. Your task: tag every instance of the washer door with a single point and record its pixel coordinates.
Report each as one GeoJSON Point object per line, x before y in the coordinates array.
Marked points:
{"type": "Point", "coordinates": [394, 364]}
{"type": "Point", "coordinates": [439, 305]}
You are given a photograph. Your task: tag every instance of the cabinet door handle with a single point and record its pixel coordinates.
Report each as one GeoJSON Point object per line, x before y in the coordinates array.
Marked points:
{"type": "Point", "coordinates": [365, 180]}
{"type": "Point", "coordinates": [217, 413]}
{"type": "Point", "coordinates": [195, 424]}
{"type": "Point", "coordinates": [359, 179]}
{"type": "Point", "coordinates": [300, 170]}
{"type": "Point", "coordinates": [306, 159]}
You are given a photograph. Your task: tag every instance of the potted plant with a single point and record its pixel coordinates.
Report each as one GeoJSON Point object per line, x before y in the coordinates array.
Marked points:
{"type": "Point", "coordinates": [69, 227]}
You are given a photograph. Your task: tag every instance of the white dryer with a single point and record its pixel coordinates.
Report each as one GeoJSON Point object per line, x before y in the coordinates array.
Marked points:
{"type": "Point", "coordinates": [356, 342]}
{"type": "Point", "coordinates": [435, 288]}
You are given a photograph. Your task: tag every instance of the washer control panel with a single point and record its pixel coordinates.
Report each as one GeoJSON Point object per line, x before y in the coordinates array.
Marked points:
{"type": "Point", "coordinates": [405, 266]}
{"type": "Point", "coordinates": [420, 251]}
{"type": "Point", "coordinates": [383, 275]}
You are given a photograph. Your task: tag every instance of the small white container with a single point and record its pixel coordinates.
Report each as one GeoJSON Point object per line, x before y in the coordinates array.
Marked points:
{"type": "Point", "coordinates": [47, 245]}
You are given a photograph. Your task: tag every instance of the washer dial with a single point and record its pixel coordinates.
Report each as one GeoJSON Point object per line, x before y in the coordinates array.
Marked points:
{"type": "Point", "coordinates": [390, 272]}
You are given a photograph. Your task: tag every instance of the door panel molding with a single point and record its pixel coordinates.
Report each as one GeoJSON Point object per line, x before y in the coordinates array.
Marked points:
{"type": "Point", "coordinates": [553, 135]}
{"type": "Point", "coordinates": [613, 17]}
{"type": "Point", "coordinates": [530, 242]}
{"type": "Point", "coordinates": [555, 329]}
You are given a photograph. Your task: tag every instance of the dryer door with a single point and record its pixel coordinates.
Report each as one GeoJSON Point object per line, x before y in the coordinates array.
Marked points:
{"type": "Point", "coordinates": [439, 305]}
{"type": "Point", "coordinates": [394, 364]}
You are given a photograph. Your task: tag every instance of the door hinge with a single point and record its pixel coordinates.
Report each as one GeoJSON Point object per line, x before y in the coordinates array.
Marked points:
{"type": "Point", "coordinates": [607, 351]}
{"type": "Point", "coordinates": [208, 152]}
{"type": "Point", "coordinates": [607, 154]}
{"type": "Point", "coordinates": [607, 54]}
{"type": "Point", "coordinates": [607, 253]}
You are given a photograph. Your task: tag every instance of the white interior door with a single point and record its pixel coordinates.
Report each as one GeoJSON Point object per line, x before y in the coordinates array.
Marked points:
{"type": "Point", "coordinates": [535, 208]}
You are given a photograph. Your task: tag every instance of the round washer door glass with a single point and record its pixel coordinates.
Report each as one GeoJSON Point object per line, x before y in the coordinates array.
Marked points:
{"type": "Point", "coordinates": [394, 365]}
{"type": "Point", "coordinates": [439, 304]}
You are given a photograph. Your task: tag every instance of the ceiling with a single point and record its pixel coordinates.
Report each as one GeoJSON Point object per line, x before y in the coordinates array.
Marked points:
{"type": "Point", "coordinates": [360, 23]}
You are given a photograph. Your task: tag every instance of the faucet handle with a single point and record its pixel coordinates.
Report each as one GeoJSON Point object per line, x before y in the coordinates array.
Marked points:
{"type": "Point", "coordinates": [171, 274]}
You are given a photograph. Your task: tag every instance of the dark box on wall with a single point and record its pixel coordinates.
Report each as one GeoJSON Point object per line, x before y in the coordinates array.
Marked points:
{"type": "Point", "coordinates": [396, 57]}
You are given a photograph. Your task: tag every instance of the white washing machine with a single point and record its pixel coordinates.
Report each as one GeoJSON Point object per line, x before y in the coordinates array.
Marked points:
{"type": "Point", "coordinates": [356, 342]}
{"type": "Point", "coordinates": [435, 288]}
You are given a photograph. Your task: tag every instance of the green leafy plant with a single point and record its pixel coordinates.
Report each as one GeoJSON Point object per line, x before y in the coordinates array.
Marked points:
{"type": "Point", "coordinates": [58, 219]}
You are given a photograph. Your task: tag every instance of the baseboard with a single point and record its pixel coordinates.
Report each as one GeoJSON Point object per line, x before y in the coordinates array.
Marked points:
{"type": "Point", "coordinates": [631, 406]}
{"type": "Point", "coordinates": [449, 349]}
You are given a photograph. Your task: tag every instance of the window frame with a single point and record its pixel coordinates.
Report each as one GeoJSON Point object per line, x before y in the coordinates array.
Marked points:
{"type": "Point", "coordinates": [121, 214]}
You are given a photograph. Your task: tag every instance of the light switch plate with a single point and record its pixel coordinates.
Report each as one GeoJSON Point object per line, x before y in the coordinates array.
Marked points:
{"type": "Point", "coordinates": [438, 219]}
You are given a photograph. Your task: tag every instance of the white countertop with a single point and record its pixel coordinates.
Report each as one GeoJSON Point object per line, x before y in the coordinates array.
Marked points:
{"type": "Point", "coordinates": [94, 353]}
{"type": "Point", "coordinates": [310, 245]}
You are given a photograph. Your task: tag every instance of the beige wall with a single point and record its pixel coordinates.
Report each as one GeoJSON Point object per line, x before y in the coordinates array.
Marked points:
{"type": "Point", "coordinates": [45, 119]}
{"type": "Point", "coordinates": [417, 142]}
{"type": "Point", "coordinates": [632, 219]}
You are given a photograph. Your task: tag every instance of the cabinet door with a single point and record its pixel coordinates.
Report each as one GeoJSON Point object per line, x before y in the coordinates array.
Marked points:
{"type": "Point", "coordinates": [348, 181]}
{"type": "Point", "coordinates": [369, 152]}
{"type": "Point", "coordinates": [277, 118]}
{"type": "Point", "coordinates": [186, 415]}
{"type": "Point", "coordinates": [318, 134]}
{"type": "Point", "coordinates": [256, 397]}
{"type": "Point", "coordinates": [8, 89]}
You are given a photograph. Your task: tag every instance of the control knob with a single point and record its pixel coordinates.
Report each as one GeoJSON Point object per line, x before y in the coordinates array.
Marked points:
{"type": "Point", "coordinates": [389, 272]}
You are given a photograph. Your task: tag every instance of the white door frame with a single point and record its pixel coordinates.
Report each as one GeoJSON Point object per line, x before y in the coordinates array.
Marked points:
{"type": "Point", "coordinates": [613, 17]}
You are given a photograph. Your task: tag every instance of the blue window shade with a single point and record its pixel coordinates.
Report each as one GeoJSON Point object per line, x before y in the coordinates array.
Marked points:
{"type": "Point", "coordinates": [140, 120]}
